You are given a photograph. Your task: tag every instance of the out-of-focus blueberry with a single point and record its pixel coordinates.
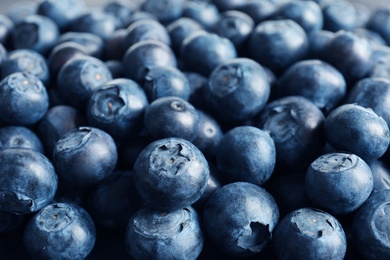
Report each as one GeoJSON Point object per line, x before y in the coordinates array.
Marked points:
{"type": "Point", "coordinates": [258, 10]}
{"type": "Point", "coordinates": [19, 137]}
{"type": "Point", "coordinates": [381, 173]}
{"type": "Point", "coordinates": [240, 218]}
{"type": "Point", "coordinates": [116, 68]}
{"type": "Point", "coordinates": [20, 10]}
{"type": "Point", "coordinates": [165, 11]}
{"type": "Point", "coordinates": [114, 47]}
{"type": "Point", "coordinates": [339, 15]}
{"type": "Point", "coordinates": [6, 27]}
{"type": "Point", "coordinates": [317, 41]}
{"type": "Point", "coordinates": [202, 11]}
{"type": "Point", "coordinates": [93, 44]}
{"type": "Point", "coordinates": [372, 37]}
{"type": "Point", "coordinates": [121, 11]}
{"type": "Point", "coordinates": [377, 22]}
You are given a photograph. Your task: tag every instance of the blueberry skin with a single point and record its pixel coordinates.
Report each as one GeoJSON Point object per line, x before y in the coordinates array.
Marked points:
{"type": "Point", "coordinates": [339, 15]}
{"type": "Point", "coordinates": [356, 51]}
{"type": "Point", "coordinates": [35, 32]}
{"type": "Point", "coordinates": [116, 68]}
{"type": "Point", "coordinates": [359, 130]}
{"type": "Point", "coordinates": [378, 21]}
{"type": "Point", "coordinates": [144, 55]}
{"type": "Point", "coordinates": [202, 52]}
{"type": "Point", "coordinates": [114, 47]}
{"type": "Point", "coordinates": [23, 98]}
{"type": "Point", "coordinates": [203, 11]}
{"type": "Point", "coordinates": [113, 201]}
{"type": "Point", "coordinates": [19, 137]}
{"type": "Point", "coordinates": [170, 174]}
{"type": "Point", "coordinates": [277, 44]}
{"type": "Point", "coordinates": [338, 182]}
{"type": "Point", "coordinates": [146, 29]}
{"type": "Point", "coordinates": [373, 93]}
{"type": "Point", "coordinates": [28, 61]}
{"type": "Point", "coordinates": [28, 181]}
{"type": "Point", "coordinates": [258, 10]}
{"type": "Point", "coordinates": [239, 218]}
{"type": "Point", "coordinates": [57, 122]}
{"type": "Point", "coordinates": [315, 80]}
{"type": "Point", "coordinates": [381, 173]}
{"type": "Point", "coordinates": [162, 81]}
{"type": "Point", "coordinates": [317, 41]}
{"type": "Point", "coordinates": [246, 153]}
{"type": "Point", "coordinates": [85, 156]}
{"type": "Point", "coordinates": [60, 231]}
{"type": "Point", "coordinates": [6, 27]}
{"type": "Point", "coordinates": [117, 107]}
{"type": "Point", "coordinates": [79, 77]}
{"type": "Point", "coordinates": [171, 117]}
{"type": "Point", "coordinates": [92, 43]}
{"type": "Point", "coordinates": [237, 90]}
{"type": "Point", "coordinates": [371, 225]}
{"type": "Point", "coordinates": [155, 234]}
{"type": "Point", "coordinates": [165, 11]}
{"type": "Point", "coordinates": [122, 11]}
{"type": "Point", "coordinates": [309, 233]}
{"type": "Point", "coordinates": [62, 13]}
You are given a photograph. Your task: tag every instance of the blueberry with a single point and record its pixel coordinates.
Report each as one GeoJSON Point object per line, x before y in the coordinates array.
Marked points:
{"type": "Point", "coordinates": [203, 11]}
{"type": "Point", "coordinates": [116, 68]}
{"type": "Point", "coordinates": [165, 11]}
{"type": "Point", "coordinates": [170, 174]}
{"type": "Point", "coordinates": [28, 181]}
{"type": "Point", "coordinates": [93, 44]}
{"type": "Point", "coordinates": [311, 234]}
{"type": "Point", "coordinates": [155, 234]}
{"type": "Point", "coordinates": [359, 130]}
{"type": "Point", "coordinates": [114, 47]}
{"type": "Point", "coordinates": [6, 27]}
{"type": "Point", "coordinates": [237, 90]}
{"type": "Point", "coordinates": [171, 117]}
{"type": "Point", "coordinates": [117, 107]}
{"type": "Point", "coordinates": [239, 218]}
{"type": "Point", "coordinates": [246, 153]}
{"type": "Point", "coordinates": [20, 10]}
{"type": "Point", "coordinates": [23, 98]}
{"type": "Point", "coordinates": [85, 156]}
{"type": "Point", "coordinates": [60, 231]}
{"type": "Point", "coordinates": [339, 15]}
{"type": "Point", "coordinates": [202, 51]}
{"type": "Point", "coordinates": [317, 41]}
{"type": "Point", "coordinates": [20, 137]}
{"type": "Point", "coordinates": [122, 11]}
{"type": "Point", "coordinates": [381, 174]}
{"type": "Point", "coordinates": [338, 182]}
{"type": "Point", "coordinates": [377, 22]}
{"type": "Point", "coordinates": [258, 10]}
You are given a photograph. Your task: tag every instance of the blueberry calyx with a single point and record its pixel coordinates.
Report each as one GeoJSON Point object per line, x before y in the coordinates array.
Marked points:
{"type": "Point", "coordinates": [315, 226]}
{"type": "Point", "coordinates": [16, 202]}
{"type": "Point", "coordinates": [230, 78]}
{"type": "Point", "coordinates": [170, 159]}
{"type": "Point", "coordinates": [254, 236]}
{"type": "Point", "coordinates": [335, 162]}
{"type": "Point", "coordinates": [55, 218]}
{"type": "Point", "coordinates": [25, 83]}
{"type": "Point", "coordinates": [108, 103]}
{"type": "Point", "coordinates": [75, 140]}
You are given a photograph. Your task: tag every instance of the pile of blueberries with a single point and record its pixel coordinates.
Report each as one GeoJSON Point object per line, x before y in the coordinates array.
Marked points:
{"type": "Point", "coordinates": [195, 129]}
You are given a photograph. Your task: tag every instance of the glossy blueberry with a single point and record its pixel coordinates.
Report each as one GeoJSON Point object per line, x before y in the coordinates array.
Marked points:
{"type": "Point", "coordinates": [235, 26]}
{"type": "Point", "coordinates": [371, 226]}
{"type": "Point", "coordinates": [95, 21]}
{"type": "Point", "coordinates": [113, 201]}
{"type": "Point", "coordinates": [307, 14]}
{"type": "Point", "coordinates": [23, 99]}
{"type": "Point", "coordinates": [85, 156]}
{"type": "Point", "coordinates": [311, 234]}
{"type": "Point", "coordinates": [373, 93]}
{"type": "Point", "coordinates": [377, 21]}
{"type": "Point", "coordinates": [203, 51]}
{"type": "Point", "coordinates": [79, 77]}
{"type": "Point", "coordinates": [117, 107]}
{"type": "Point", "coordinates": [359, 130]}
{"type": "Point", "coordinates": [203, 11]}
{"type": "Point", "coordinates": [155, 234]}
{"type": "Point", "coordinates": [237, 90]}
{"type": "Point", "coordinates": [92, 43]}
{"type": "Point", "coordinates": [338, 182]}
{"type": "Point", "coordinates": [162, 81]}
{"type": "Point", "coordinates": [60, 231]}
{"type": "Point", "coordinates": [19, 137]}
{"type": "Point", "coordinates": [146, 29]}
{"type": "Point", "coordinates": [171, 117]}
{"type": "Point", "coordinates": [28, 61]}
{"type": "Point", "coordinates": [170, 174]}
{"type": "Point", "coordinates": [356, 52]}
{"type": "Point", "coordinates": [315, 80]}
{"type": "Point", "coordinates": [277, 44]}
{"type": "Point", "coordinates": [239, 218]}
{"type": "Point", "coordinates": [144, 55]}
{"type": "Point", "coordinates": [63, 12]}
{"type": "Point", "coordinates": [381, 173]}
{"type": "Point", "coordinates": [179, 29]}
{"type": "Point", "coordinates": [6, 27]}
{"type": "Point", "coordinates": [28, 180]}
{"type": "Point", "coordinates": [246, 153]}
{"type": "Point", "coordinates": [339, 15]}
{"type": "Point", "coordinates": [317, 41]}
{"type": "Point", "coordinates": [57, 122]}
{"type": "Point", "coordinates": [165, 11]}
{"type": "Point", "coordinates": [258, 10]}
{"type": "Point", "coordinates": [121, 10]}
{"type": "Point", "coordinates": [296, 126]}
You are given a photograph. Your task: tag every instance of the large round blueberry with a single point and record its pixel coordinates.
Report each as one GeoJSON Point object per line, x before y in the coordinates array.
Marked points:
{"type": "Point", "coordinates": [117, 107]}
{"type": "Point", "coordinates": [339, 15]}
{"type": "Point", "coordinates": [85, 156]}
{"type": "Point", "coordinates": [60, 231]}
{"type": "Point", "coordinates": [23, 99]}
{"type": "Point", "coordinates": [240, 218]}
{"type": "Point", "coordinates": [246, 153]}
{"type": "Point", "coordinates": [259, 10]}
{"type": "Point", "coordinates": [371, 227]}
{"type": "Point", "coordinates": [165, 11]}
{"type": "Point", "coordinates": [19, 137]}
{"type": "Point", "coordinates": [155, 234]}
{"type": "Point", "coordinates": [338, 182]}
{"type": "Point", "coordinates": [237, 90]}
{"type": "Point", "coordinates": [171, 117]}
{"type": "Point", "coordinates": [170, 174]}
{"type": "Point", "coordinates": [202, 51]}
{"type": "Point", "coordinates": [359, 130]}
{"type": "Point", "coordinates": [28, 180]}
{"type": "Point", "coordinates": [309, 233]}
